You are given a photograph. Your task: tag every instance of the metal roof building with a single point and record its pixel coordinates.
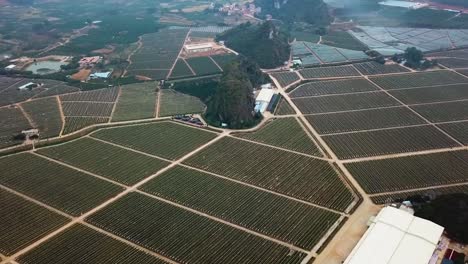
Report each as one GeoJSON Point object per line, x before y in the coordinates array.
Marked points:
{"type": "Point", "coordinates": [395, 237]}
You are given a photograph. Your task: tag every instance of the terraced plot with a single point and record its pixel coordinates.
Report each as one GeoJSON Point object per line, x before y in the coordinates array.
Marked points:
{"type": "Point", "coordinates": [364, 120]}
{"type": "Point", "coordinates": [329, 72]}
{"type": "Point", "coordinates": [175, 103]}
{"type": "Point", "coordinates": [285, 133]}
{"type": "Point", "coordinates": [203, 66]}
{"type": "Point", "coordinates": [389, 141]}
{"type": "Point", "coordinates": [337, 103]}
{"type": "Point", "coordinates": [284, 108]}
{"type": "Point", "coordinates": [444, 112]}
{"type": "Point", "coordinates": [187, 237]}
{"type": "Point", "coordinates": [433, 192]}
{"type": "Point", "coordinates": [45, 114]}
{"type": "Point", "coordinates": [411, 172]}
{"type": "Point", "coordinates": [102, 95]}
{"type": "Point", "coordinates": [66, 189]}
{"type": "Point", "coordinates": [136, 101]}
{"type": "Point", "coordinates": [286, 78]}
{"type": "Point", "coordinates": [432, 94]}
{"type": "Point", "coordinates": [106, 160]}
{"type": "Point", "coordinates": [166, 139]}
{"type": "Point", "coordinates": [420, 79]}
{"type": "Point", "coordinates": [288, 173]}
{"type": "Point", "coordinates": [12, 122]}
{"type": "Point", "coordinates": [372, 68]}
{"type": "Point", "coordinates": [457, 130]}
{"type": "Point", "coordinates": [333, 87]}
{"type": "Point", "coordinates": [23, 222]}
{"type": "Point", "coordinates": [87, 109]}
{"type": "Point", "coordinates": [181, 70]}
{"type": "Point", "coordinates": [73, 124]}
{"type": "Point", "coordinates": [288, 220]}
{"type": "Point", "coordinates": [68, 247]}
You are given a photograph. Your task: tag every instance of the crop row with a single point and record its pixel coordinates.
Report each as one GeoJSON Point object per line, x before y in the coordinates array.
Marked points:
{"type": "Point", "coordinates": [175, 103]}
{"type": "Point", "coordinates": [152, 74]}
{"type": "Point", "coordinates": [102, 95]}
{"type": "Point", "coordinates": [6, 82]}
{"type": "Point", "coordinates": [165, 63]}
{"type": "Point", "coordinates": [430, 193]}
{"type": "Point", "coordinates": [457, 130]}
{"type": "Point", "coordinates": [13, 95]}
{"type": "Point", "coordinates": [12, 122]}
{"type": "Point", "coordinates": [87, 109]}
{"type": "Point", "coordinates": [285, 78]}
{"type": "Point", "coordinates": [333, 87]}
{"type": "Point", "coordinates": [443, 112]}
{"type": "Point", "coordinates": [136, 101]}
{"type": "Point", "coordinates": [57, 90]}
{"type": "Point", "coordinates": [420, 79]}
{"type": "Point", "coordinates": [76, 123]}
{"type": "Point", "coordinates": [420, 171]}
{"type": "Point", "coordinates": [372, 68]}
{"type": "Point", "coordinates": [45, 114]}
{"type": "Point", "coordinates": [329, 72]}
{"type": "Point", "coordinates": [453, 62]}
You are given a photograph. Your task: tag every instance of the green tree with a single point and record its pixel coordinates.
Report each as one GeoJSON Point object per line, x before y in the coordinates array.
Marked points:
{"type": "Point", "coordinates": [413, 57]}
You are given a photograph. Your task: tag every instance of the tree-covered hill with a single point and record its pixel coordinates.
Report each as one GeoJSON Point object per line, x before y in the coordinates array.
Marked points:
{"type": "Point", "coordinates": [309, 11]}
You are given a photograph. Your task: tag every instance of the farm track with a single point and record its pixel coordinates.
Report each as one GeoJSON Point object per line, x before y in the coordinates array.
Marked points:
{"type": "Point", "coordinates": [178, 55]}
{"type": "Point", "coordinates": [62, 115]}
{"type": "Point", "coordinates": [420, 189]}
{"type": "Point", "coordinates": [30, 121]}
{"type": "Point", "coordinates": [115, 105]}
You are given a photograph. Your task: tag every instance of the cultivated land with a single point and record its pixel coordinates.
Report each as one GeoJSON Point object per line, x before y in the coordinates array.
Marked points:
{"type": "Point", "coordinates": [45, 116]}
{"type": "Point", "coordinates": [333, 87]}
{"type": "Point", "coordinates": [174, 103]}
{"type": "Point", "coordinates": [136, 101]}
{"type": "Point", "coordinates": [12, 122]}
{"type": "Point", "coordinates": [75, 123]}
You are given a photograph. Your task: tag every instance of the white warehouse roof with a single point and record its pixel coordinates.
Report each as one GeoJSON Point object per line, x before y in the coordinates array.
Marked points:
{"type": "Point", "coordinates": [265, 95]}
{"type": "Point", "coordinates": [199, 46]}
{"type": "Point", "coordinates": [395, 237]}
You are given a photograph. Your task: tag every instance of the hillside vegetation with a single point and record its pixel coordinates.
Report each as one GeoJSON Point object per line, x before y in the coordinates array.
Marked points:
{"type": "Point", "coordinates": [308, 11]}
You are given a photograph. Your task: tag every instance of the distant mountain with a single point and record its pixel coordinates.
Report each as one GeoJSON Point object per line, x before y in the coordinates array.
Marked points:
{"type": "Point", "coordinates": [263, 43]}
{"type": "Point", "coordinates": [309, 11]}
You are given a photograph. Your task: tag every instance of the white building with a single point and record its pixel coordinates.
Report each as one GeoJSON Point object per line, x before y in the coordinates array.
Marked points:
{"type": "Point", "coordinates": [397, 237]}
{"type": "Point", "coordinates": [263, 100]}
{"type": "Point", "coordinates": [201, 47]}
{"type": "Point", "coordinates": [10, 67]}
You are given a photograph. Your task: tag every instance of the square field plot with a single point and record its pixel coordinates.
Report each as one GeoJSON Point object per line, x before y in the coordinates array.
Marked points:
{"type": "Point", "coordinates": [175, 103]}
{"type": "Point", "coordinates": [136, 101]}
{"type": "Point", "coordinates": [411, 172]}
{"type": "Point", "coordinates": [277, 170]}
{"type": "Point", "coordinates": [106, 160]}
{"type": "Point", "coordinates": [364, 120]}
{"type": "Point", "coordinates": [87, 109]}
{"type": "Point", "coordinates": [389, 141]}
{"type": "Point", "coordinates": [22, 222]}
{"type": "Point", "coordinates": [458, 130]}
{"type": "Point", "coordinates": [340, 103]}
{"type": "Point", "coordinates": [432, 192]}
{"type": "Point", "coordinates": [185, 236]}
{"type": "Point", "coordinates": [71, 245]}
{"type": "Point", "coordinates": [420, 79]}
{"type": "Point", "coordinates": [66, 189]}
{"type": "Point", "coordinates": [165, 139]}
{"type": "Point", "coordinates": [372, 67]}
{"type": "Point", "coordinates": [432, 94]}
{"type": "Point", "coordinates": [444, 112]}
{"type": "Point", "coordinates": [333, 87]}
{"type": "Point", "coordinates": [270, 214]}
{"type": "Point", "coordinates": [329, 72]}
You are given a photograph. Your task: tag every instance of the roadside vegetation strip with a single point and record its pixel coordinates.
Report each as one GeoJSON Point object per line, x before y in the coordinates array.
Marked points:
{"type": "Point", "coordinates": [181, 69]}
{"type": "Point", "coordinates": [175, 103]}
{"type": "Point", "coordinates": [22, 222]}
{"type": "Point", "coordinates": [432, 94]}
{"type": "Point", "coordinates": [388, 141]}
{"type": "Point", "coordinates": [364, 120]}
{"type": "Point", "coordinates": [70, 245]}
{"type": "Point", "coordinates": [12, 122]}
{"type": "Point", "coordinates": [285, 133]}
{"type": "Point", "coordinates": [203, 66]}
{"type": "Point", "coordinates": [187, 237]}
{"type": "Point", "coordinates": [165, 139]}
{"type": "Point", "coordinates": [87, 109]}
{"type": "Point", "coordinates": [45, 114]}
{"type": "Point", "coordinates": [284, 108]}
{"type": "Point", "coordinates": [430, 193]}
{"type": "Point", "coordinates": [136, 101]}
{"type": "Point", "coordinates": [273, 215]}
{"type": "Point", "coordinates": [63, 188]}
{"type": "Point", "coordinates": [109, 161]}
{"type": "Point", "coordinates": [280, 171]}
{"type": "Point", "coordinates": [329, 72]}
{"type": "Point", "coordinates": [411, 172]}
{"type": "Point", "coordinates": [419, 79]}
{"type": "Point", "coordinates": [286, 78]}
{"type": "Point", "coordinates": [333, 87]}
{"type": "Point", "coordinates": [76, 123]}
{"type": "Point", "coordinates": [102, 95]}
{"type": "Point", "coordinates": [443, 112]}
{"type": "Point", "coordinates": [458, 130]}
{"type": "Point", "coordinates": [339, 103]}
{"type": "Point", "coordinates": [373, 68]}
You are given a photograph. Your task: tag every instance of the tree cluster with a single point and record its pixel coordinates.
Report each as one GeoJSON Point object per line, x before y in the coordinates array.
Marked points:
{"type": "Point", "coordinates": [308, 11]}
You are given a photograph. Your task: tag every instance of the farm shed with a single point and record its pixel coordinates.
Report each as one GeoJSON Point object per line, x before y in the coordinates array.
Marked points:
{"type": "Point", "coordinates": [396, 236]}
{"type": "Point", "coordinates": [201, 47]}
{"type": "Point", "coordinates": [100, 75]}
{"type": "Point", "coordinates": [263, 100]}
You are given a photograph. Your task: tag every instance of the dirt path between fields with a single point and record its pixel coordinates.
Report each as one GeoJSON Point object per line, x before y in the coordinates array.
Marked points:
{"type": "Point", "coordinates": [62, 115]}
{"type": "Point", "coordinates": [115, 104]}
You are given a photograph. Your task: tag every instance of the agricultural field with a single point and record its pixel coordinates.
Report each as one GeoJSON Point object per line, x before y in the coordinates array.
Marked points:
{"type": "Point", "coordinates": [45, 114]}
{"type": "Point", "coordinates": [112, 162]}
{"type": "Point", "coordinates": [23, 222]}
{"type": "Point", "coordinates": [106, 95]}
{"type": "Point", "coordinates": [454, 63]}
{"type": "Point", "coordinates": [325, 54]}
{"type": "Point", "coordinates": [284, 133]}
{"type": "Point", "coordinates": [283, 108]}
{"type": "Point", "coordinates": [13, 94]}
{"type": "Point", "coordinates": [12, 122]}
{"type": "Point", "coordinates": [151, 74]}
{"type": "Point", "coordinates": [282, 218]}
{"type": "Point", "coordinates": [333, 87]}
{"type": "Point", "coordinates": [420, 79]}
{"type": "Point", "coordinates": [175, 103]}
{"type": "Point", "coordinates": [388, 141]}
{"type": "Point", "coordinates": [277, 170]}
{"type": "Point", "coordinates": [57, 90]}
{"type": "Point", "coordinates": [224, 60]}
{"type": "Point", "coordinates": [419, 171]}
{"type": "Point", "coordinates": [66, 189]}
{"type": "Point", "coordinates": [432, 192]}
{"type": "Point", "coordinates": [285, 78]}
{"type": "Point", "coordinates": [344, 40]}
{"type": "Point", "coordinates": [203, 66]}
{"type": "Point", "coordinates": [338, 103]}
{"type": "Point", "coordinates": [75, 123]}
{"type": "Point", "coordinates": [457, 130]}
{"type": "Point", "coordinates": [431, 94]}
{"type": "Point", "coordinates": [181, 70]}
{"type": "Point", "coordinates": [364, 120]}
{"type": "Point", "coordinates": [165, 139]}
{"type": "Point", "coordinates": [373, 68]}
{"type": "Point", "coordinates": [94, 109]}
{"type": "Point", "coordinates": [185, 236]}
{"type": "Point", "coordinates": [69, 245]}
{"type": "Point", "coordinates": [136, 101]}
{"type": "Point", "coordinates": [329, 72]}
{"type": "Point", "coordinates": [443, 112]}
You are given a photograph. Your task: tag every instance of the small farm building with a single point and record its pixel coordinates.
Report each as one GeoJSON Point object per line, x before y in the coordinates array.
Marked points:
{"type": "Point", "coordinates": [100, 75]}
{"type": "Point", "coordinates": [89, 61]}
{"type": "Point", "coordinates": [201, 47]}
{"type": "Point", "coordinates": [263, 100]}
{"type": "Point", "coordinates": [10, 67]}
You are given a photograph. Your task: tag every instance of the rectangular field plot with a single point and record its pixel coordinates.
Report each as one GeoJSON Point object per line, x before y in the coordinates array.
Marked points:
{"type": "Point", "coordinates": [106, 160]}
{"type": "Point", "coordinates": [285, 78]}
{"type": "Point", "coordinates": [419, 79]}
{"type": "Point", "coordinates": [13, 95]}
{"type": "Point", "coordinates": [181, 69]}
{"type": "Point", "coordinates": [329, 72]}
{"type": "Point", "coordinates": [443, 112]}
{"type": "Point", "coordinates": [203, 66]}
{"type": "Point", "coordinates": [411, 172]}
{"type": "Point", "coordinates": [61, 187]}
{"type": "Point", "coordinates": [285, 133]}
{"type": "Point", "coordinates": [136, 101]}
{"type": "Point", "coordinates": [333, 87]}
{"type": "Point", "coordinates": [70, 245]}
{"type": "Point", "coordinates": [45, 114]}
{"type": "Point", "coordinates": [87, 109]}
{"type": "Point", "coordinates": [175, 103]}
{"type": "Point", "coordinates": [273, 215]}
{"type": "Point", "coordinates": [453, 62]}
{"type": "Point", "coordinates": [187, 237]}
{"type": "Point", "coordinates": [364, 120]}
{"type": "Point", "coordinates": [432, 94]}
{"type": "Point", "coordinates": [102, 95]}
{"type": "Point", "coordinates": [338, 103]}
{"type": "Point", "coordinates": [73, 124]}
{"type": "Point", "coordinates": [432, 193]}
{"type": "Point", "coordinates": [12, 122]}
{"type": "Point", "coordinates": [152, 74]}
{"type": "Point", "coordinates": [457, 130]}
{"type": "Point", "coordinates": [6, 82]}
{"type": "Point", "coordinates": [22, 222]}
{"type": "Point", "coordinates": [166, 139]}
{"type": "Point", "coordinates": [372, 67]}
{"type": "Point", "coordinates": [288, 173]}
{"type": "Point", "coordinates": [389, 141]}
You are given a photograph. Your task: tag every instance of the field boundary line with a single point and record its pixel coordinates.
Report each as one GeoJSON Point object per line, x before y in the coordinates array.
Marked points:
{"type": "Point", "coordinates": [373, 130]}
{"type": "Point", "coordinates": [62, 115]}
{"type": "Point", "coordinates": [8, 87]}
{"type": "Point", "coordinates": [355, 110]}
{"type": "Point", "coordinates": [190, 67]}
{"type": "Point", "coordinates": [90, 116]}
{"type": "Point", "coordinates": [178, 55]}
{"type": "Point", "coordinates": [310, 136]}
{"type": "Point", "coordinates": [425, 87]}
{"type": "Point", "coordinates": [115, 104]}
{"type": "Point", "coordinates": [90, 102]}
{"type": "Point", "coordinates": [217, 65]}
{"type": "Point", "coordinates": [158, 101]}
{"type": "Point", "coordinates": [337, 94]}
{"type": "Point", "coordinates": [26, 115]}
{"type": "Point", "coordinates": [440, 102]}
{"type": "Point", "coordinates": [440, 186]}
